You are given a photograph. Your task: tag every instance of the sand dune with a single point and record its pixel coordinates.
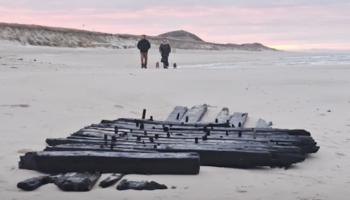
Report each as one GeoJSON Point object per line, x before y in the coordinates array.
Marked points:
{"type": "Point", "coordinates": [61, 37]}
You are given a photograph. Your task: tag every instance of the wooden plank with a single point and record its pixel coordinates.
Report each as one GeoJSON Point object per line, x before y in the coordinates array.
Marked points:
{"type": "Point", "coordinates": [196, 117]}
{"type": "Point", "coordinates": [177, 114]}
{"type": "Point", "coordinates": [306, 143]}
{"type": "Point", "coordinates": [219, 136]}
{"type": "Point", "coordinates": [207, 126]}
{"type": "Point", "coordinates": [34, 183]}
{"type": "Point", "coordinates": [111, 162]}
{"type": "Point", "coordinates": [111, 180]}
{"type": "Point", "coordinates": [263, 124]}
{"type": "Point", "coordinates": [193, 130]}
{"type": "Point", "coordinates": [223, 116]}
{"type": "Point", "coordinates": [79, 182]}
{"type": "Point", "coordinates": [140, 185]}
{"type": "Point", "coordinates": [280, 144]}
{"type": "Point", "coordinates": [238, 119]}
{"type": "Point", "coordinates": [164, 143]}
{"type": "Point", "coordinates": [219, 156]}
{"type": "Point", "coordinates": [194, 114]}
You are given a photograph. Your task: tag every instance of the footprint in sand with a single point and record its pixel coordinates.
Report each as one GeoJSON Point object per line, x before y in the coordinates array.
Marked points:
{"type": "Point", "coordinates": [24, 150]}
{"type": "Point", "coordinates": [210, 106]}
{"type": "Point", "coordinates": [241, 191]}
{"type": "Point", "coordinates": [340, 154]}
{"type": "Point", "coordinates": [14, 106]}
{"type": "Point", "coordinates": [118, 106]}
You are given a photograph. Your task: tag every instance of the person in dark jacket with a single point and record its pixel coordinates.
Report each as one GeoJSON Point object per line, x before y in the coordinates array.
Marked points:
{"type": "Point", "coordinates": [144, 45]}
{"type": "Point", "coordinates": [165, 50]}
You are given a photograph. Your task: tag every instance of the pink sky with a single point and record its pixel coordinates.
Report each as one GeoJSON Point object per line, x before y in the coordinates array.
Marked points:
{"type": "Point", "coordinates": [284, 26]}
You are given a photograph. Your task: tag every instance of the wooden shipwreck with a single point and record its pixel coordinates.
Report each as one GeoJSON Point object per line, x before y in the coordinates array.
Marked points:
{"type": "Point", "coordinates": [178, 145]}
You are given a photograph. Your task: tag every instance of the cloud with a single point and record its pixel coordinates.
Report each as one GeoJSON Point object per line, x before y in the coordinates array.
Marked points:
{"type": "Point", "coordinates": [276, 23]}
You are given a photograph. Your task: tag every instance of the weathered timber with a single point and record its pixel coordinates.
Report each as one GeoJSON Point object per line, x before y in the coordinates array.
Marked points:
{"type": "Point", "coordinates": [134, 125]}
{"type": "Point", "coordinates": [144, 114]}
{"type": "Point", "coordinates": [228, 156]}
{"type": "Point", "coordinates": [238, 119]}
{"type": "Point", "coordinates": [69, 146]}
{"type": "Point", "coordinates": [111, 180]}
{"type": "Point", "coordinates": [263, 124]}
{"type": "Point", "coordinates": [194, 114]}
{"type": "Point", "coordinates": [208, 143]}
{"type": "Point", "coordinates": [306, 146]}
{"type": "Point", "coordinates": [93, 147]}
{"type": "Point", "coordinates": [213, 127]}
{"type": "Point", "coordinates": [230, 136]}
{"type": "Point", "coordinates": [111, 162]}
{"type": "Point", "coordinates": [34, 183]}
{"type": "Point", "coordinates": [296, 132]}
{"type": "Point", "coordinates": [258, 137]}
{"type": "Point", "coordinates": [151, 147]}
{"type": "Point", "coordinates": [285, 159]}
{"type": "Point", "coordinates": [236, 131]}
{"type": "Point", "coordinates": [180, 124]}
{"type": "Point", "coordinates": [214, 133]}
{"type": "Point", "coordinates": [156, 124]}
{"type": "Point", "coordinates": [176, 148]}
{"type": "Point", "coordinates": [238, 157]}
{"type": "Point", "coordinates": [177, 114]}
{"type": "Point", "coordinates": [162, 139]}
{"type": "Point", "coordinates": [165, 141]}
{"type": "Point", "coordinates": [223, 116]}
{"type": "Point", "coordinates": [305, 143]}
{"type": "Point", "coordinates": [79, 182]}
{"type": "Point", "coordinates": [140, 185]}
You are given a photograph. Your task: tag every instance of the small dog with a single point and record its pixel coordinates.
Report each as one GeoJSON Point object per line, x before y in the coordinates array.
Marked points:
{"type": "Point", "coordinates": [175, 66]}
{"type": "Point", "coordinates": [157, 65]}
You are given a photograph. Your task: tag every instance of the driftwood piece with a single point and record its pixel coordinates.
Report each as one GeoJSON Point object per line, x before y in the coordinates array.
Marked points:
{"type": "Point", "coordinates": [238, 119]}
{"type": "Point", "coordinates": [223, 116]}
{"type": "Point", "coordinates": [177, 114]}
{"type": "Point", "coordinates": [79, 182]}
{"type": "Point", "coordinates": [34, 183]}
{"type": "Point", "coordinates": [194, 114]}
{"type": "Point", "coordinates": [140, 185]}
{"type": "Point", "coordinates": [111, 162]}
{"type": "Point", "coordinates": [111, 180]}
{"type": "Point", "coordinates": [263, 124]}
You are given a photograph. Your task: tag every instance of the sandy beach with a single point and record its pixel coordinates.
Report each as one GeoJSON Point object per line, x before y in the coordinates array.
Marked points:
{"type": "Point", "coordinates": [66, 89]}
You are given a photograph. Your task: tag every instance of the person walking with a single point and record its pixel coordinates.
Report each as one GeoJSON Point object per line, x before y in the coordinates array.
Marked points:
{"type": "Point", "coordinates": [144, 45]}
{"type": "Point", "coordinates": [165, 50]}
